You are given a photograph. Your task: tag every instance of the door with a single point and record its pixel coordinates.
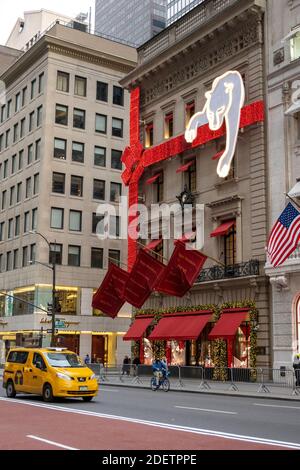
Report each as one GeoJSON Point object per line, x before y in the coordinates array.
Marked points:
{"type": "Point", "coordinates": [99, 354]}
{"type": "Point", "coordinates": [37, 372]}
{"type": "Point", "coordinates": [19, 361]}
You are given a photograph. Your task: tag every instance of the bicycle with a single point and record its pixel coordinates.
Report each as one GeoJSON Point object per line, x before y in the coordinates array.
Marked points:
{"type": "Point", "coordinates": [163, 382]}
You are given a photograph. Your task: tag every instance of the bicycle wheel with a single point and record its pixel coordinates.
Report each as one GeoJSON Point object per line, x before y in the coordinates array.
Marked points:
{"type": "Point", "coordinates": [166, 385]}
{"type": "Point", "coordinates": [153, 384]}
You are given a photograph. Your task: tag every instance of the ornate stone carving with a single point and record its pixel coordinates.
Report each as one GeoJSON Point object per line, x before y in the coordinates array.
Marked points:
{"type": "Point", "coordinates": [281, 283]}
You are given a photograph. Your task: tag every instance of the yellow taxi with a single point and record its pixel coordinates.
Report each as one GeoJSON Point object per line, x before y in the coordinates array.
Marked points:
{"type": "Point", "coordinates": [51, 372]}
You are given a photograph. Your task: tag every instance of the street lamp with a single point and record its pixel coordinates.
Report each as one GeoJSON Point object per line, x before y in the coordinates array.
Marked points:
{"type": "Point", "coordinates": [53, 268]}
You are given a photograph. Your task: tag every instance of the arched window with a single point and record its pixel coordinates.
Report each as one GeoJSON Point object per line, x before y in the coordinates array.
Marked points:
{"type": "Point", "coordinates": [298, 325]}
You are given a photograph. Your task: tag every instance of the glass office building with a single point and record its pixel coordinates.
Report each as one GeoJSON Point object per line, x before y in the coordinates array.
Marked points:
{"type": "Point", "coordinates": [178, 8]}
{"type": "Point", "coordinates": [130, 21]}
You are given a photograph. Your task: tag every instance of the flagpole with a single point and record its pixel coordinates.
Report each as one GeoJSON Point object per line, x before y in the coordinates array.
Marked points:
{"type": "Point", "coordinates": [114, 261]}
{"type": "Point", "coordinates": [292, 199]}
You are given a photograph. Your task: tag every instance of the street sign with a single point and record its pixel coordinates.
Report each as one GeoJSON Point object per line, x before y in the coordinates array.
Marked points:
{"type": "Point", "coordinates": [49, 331]}
{"type": "Point", "coordinates": [60, 324]}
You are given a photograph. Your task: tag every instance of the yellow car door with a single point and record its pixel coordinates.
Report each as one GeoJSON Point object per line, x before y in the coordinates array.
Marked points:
{"type": "Point", "coordinates": [39, 370]}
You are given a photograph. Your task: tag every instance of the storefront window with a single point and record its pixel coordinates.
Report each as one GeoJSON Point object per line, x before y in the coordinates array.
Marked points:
{"type": "Point", "coordinates": [68, 298]}
{"type": "Point", "coordinates": [242, 348]}
{"type": "Point", "coordinates": [178, 352]}
{"type": "Point", "coordinates": [148, 352]}
{"type": "Point", "coordinates": [2, 305]}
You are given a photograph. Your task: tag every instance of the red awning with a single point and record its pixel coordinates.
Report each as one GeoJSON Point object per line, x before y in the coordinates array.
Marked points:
{"type": "Point", "coordinates": [138, 328]}
{"type": "Point", "coordinates": [185, 167]}
{"type": "Point", "coordinates": [228, 324]}
{"type": "Point", "coordinates": [218, 155]}
{"type": "Point", "coordinates": [223, 229]}
{"type": "Point", "coordinates": [153, 179]}
{"type": "Point", "coordinates": [181, 326]}
{"type": "Point", "coordinates": [152, 245]}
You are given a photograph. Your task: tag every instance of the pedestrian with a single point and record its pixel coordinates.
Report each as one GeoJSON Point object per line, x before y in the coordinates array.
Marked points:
{"type": "Point", "coordinates": [87, 359]}
{"type": "Point", "coordinates": [296, 366]}
{"type": "Point", "coordinates": [136, 362]}
{"type": "Point", "coordinates": [126, 365]}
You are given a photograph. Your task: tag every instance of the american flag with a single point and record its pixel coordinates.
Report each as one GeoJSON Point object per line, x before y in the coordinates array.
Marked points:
{"type": "Point", "coordinates": [285, 236]}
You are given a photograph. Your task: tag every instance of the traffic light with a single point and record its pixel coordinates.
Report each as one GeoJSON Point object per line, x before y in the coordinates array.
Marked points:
{"type": "Point", "coordinates": [49, 309]}
{"type": "Point", "coordinates": [57, 306]}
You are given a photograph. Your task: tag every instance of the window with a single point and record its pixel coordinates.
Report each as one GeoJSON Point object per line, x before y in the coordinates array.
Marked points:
{"type": "Point", "coordinates": [149, 132]}
{"type": "Point", "coordinates": [5, 169]}
{"type": "Point", "coordinates": [117, 127]}
{"type": "Point", "coordinates": [17, 226]}
{"type": "Point", "coordinates": [16, 259]}
{"type": "Point", "coordinates": [30, 154]}
{"type": "Point", "coordinates": [79, 118]}
{"type": "Point", "coordinates": [100, 156]}
{"type": "Point", "coordinates": [13, 164]}
{"type": "Point", "coordinates": [18, 102]}
{"type": "Point", "coordinates": [62, 82]}
{"type": "Point", "coordinates": [77, 152]}
{"type": "Point", "coordinates": [191, 177]}
{"type": "Point", "coordinates": [102, 92]}
{"type": "Point", "coordinates": [1, 270]}
{"type": "Point", "coordinates": [10, 232]}
{"type": "Point", "coordinates": [75, 218]}
{"type": "Point", "coordinates": [24, 93]}
{"type": "Point", "coordinates": [1, 142]}
{"type": "Point", "coordinates": [2, 113]}
{"type": "Point", "coordinates": [116, 162]}
{"type": "Point", "coordinates": [19, 192]}
{"type": "Point", "coordinates": [189, 112]}
{"type": "Point", "coordinates": [169, 126]}
{"type": "Point", "coordinates": [8, 261]}
{"type": "Point", "coordinates": [101, 124]}
{"type": "Point", "coordinates": [21, 156]}
{"type": "Point", "coordinates": [60, 149]}
{"type": "Point", "coordinates": [12, 195]}
{"type": "Point", "coordinates": [57, 218]}
{"type": "Point", "coordinates": [80, 86]}
{"type": "Point", "coordinates": [16, 129]}
{"type": "Point", "coordinates": [8, 109]}
{"type": "Point", "coordinates": [159, 188]}
{"type": "Point", "coordinates": [33, 87]}
{"type": "Point", "coordinates": [26, 222]}
{"type": "Point", "coordinates": [31, 121]}
{"type": "Point", "coordinates": [115, 192]}
{"type": "Point", "coordinates": [33, 253]}
{"type": "Point", "coordinates": [76, 186]}
{"type": "Point", "coordinates": [74, 255]}
{"type": "Point", "coordinates": [25, 257]}
{"type": "Point", "coordinates": [97, 258]}
{"type": "Point", "coordinates": [114, 256]}
{"type": "Point", "coordinates": [22, 128]}
{"type": "Point", "coordinates": [118, 96]}
{"type": "Point", "coordinates": [114, 226]}
{"type": "Point", "coordinates": [97, 223]}
{"type": "Point", "coordinates": [34, 219]}
{"type": "Point", "coordinates": [58, 183]}
{"type": "Point", "coordinates": [39, 116]}
{"type": "Point", "coordinates": [36, 180]}
{"type": "Point", "coordinates": [55, 253]}
{"type": "Point", "coordinates": [99, 190]}
{"type": "Point", "coordinates": [38, 149]}
{"type": "Point", "coordinates": [2, 227]}
{"type": "Point", "coordinates": [61, 114]}
{"type": "Point", "coordinates": [41, 82]}
{"type": "Point", "coordinates": [7, 138]}
{"type": "Point", "coordinates": [3, 203]}
{"type": "Point", "coordinates": [230, 247]}
{"type": "Point", "coordinates": [28, 188]}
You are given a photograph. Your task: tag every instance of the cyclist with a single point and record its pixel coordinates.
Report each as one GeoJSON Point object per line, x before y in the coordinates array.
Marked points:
{"type": "Point", "coordinates": [159, 368]}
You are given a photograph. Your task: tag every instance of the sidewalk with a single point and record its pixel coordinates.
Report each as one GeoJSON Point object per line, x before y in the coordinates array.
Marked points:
{"type": "Point", "coordinates": [237, 389]}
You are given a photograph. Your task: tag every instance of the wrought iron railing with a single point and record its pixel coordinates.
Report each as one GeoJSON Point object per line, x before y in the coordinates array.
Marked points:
{"type": "Point", "coordinates": [215, 273]}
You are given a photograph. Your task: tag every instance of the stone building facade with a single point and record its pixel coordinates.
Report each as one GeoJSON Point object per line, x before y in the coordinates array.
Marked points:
{"type": "Point", "coordinates": [174, 71]}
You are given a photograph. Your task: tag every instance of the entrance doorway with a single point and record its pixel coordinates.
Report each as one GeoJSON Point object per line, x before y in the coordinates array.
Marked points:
{"type": "Point", "coordinates": [99, 349]}
{"type": "Point", "coordinates": [71, 342]}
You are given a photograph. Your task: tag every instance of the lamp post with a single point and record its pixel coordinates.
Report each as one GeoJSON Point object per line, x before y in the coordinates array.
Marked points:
{"type": "Point", "coordinates": [52, 266]}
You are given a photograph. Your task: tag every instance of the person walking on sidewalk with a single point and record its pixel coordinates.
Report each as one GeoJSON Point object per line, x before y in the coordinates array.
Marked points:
{"type": "Point", "coordinates": [296, 366]}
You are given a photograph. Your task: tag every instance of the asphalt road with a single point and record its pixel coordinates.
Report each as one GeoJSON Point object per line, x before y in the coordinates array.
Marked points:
{"type": "Point", "coordinates": [152, 420]}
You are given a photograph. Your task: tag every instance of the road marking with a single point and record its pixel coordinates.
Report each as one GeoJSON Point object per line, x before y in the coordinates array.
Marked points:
{"type": "Point", "coordinates": [278, 406]}
{"type": "Point", "coordinates": [208, 411]}
{"type": "Point", "coordinates": [172, 427]}
{"type": "Point", "coordinates": [108, 390]}
{"type": "Point", "coordinates": [52, 443]}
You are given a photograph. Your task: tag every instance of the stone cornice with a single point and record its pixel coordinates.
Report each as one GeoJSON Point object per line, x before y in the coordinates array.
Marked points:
{"type": "Point", "coordinates": [224, 201]}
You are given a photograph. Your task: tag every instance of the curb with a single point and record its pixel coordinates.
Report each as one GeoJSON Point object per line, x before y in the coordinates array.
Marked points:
{"type": "Point", "coordinates": [205, 392]}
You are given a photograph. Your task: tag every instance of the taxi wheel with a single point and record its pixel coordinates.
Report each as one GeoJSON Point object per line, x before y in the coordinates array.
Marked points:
{"type": "Point", "coordinates": [47, 393]}
{"type": "Point", "coordinates": [10, 390]}
{"type": "Point", "coordinates": [87, 398]}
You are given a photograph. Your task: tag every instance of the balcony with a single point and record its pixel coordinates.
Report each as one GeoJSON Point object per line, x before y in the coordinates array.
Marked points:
{"type": "Point", "coordinates": [216, 273]}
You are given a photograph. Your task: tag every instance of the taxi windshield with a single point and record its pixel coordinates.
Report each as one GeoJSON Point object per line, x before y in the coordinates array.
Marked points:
{"type": "Point", "coordinates": [64, 360]}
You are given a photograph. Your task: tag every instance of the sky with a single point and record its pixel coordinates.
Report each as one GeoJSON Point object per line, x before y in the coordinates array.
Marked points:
{"type": "Point", "coordinates": [11, 10]}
